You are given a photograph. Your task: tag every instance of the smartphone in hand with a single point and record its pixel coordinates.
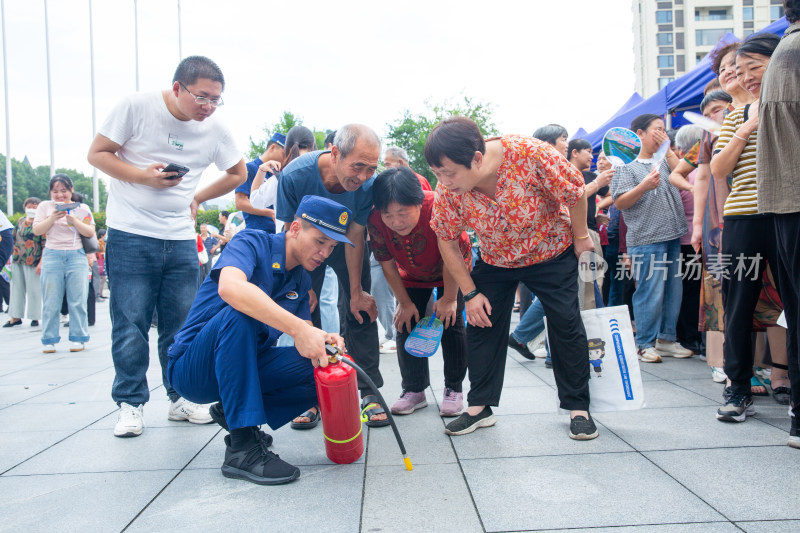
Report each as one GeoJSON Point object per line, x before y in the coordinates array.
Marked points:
{"type": "Point", "coordinates": [172, 167]}
{"type": "Point", "coordinates": [67, 206]}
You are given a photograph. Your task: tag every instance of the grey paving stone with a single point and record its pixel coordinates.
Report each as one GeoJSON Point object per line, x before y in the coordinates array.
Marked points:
{"type": "Point", "coordinates": [11, 394]}
{"type": "Point", "coordinates": [671, 368]}
{"type": "Point", "coordinates": [532, 435]}
{"type": "Point", "coordinates": [15, 364]}
{"type": "Point", "coordinates": [101, 451]}
{"type": "Point", "coordinates": [428, 498]}
{"type": "Point", "coordinates": [557, 492]}
{"type": "Point", "coordinates": [54, 417]}
{"type": "Point", "coordinates": [21, 445]}
{"type": "Point", "coordinates": [771, 526]}
{"type": "Point", "coordinates": [522, 374]}
{"type": "Point", "coordinates": [422, 433]}
{"type": "Point", "coordinates": [527, 400]}
{"type": "Point", "coordinates": [41, 375]}
{"type": "Point", "coordinates": [705, 527]}
{"type": "Point", "coordinates": [78, 391]}
{"type": "Point", "coordinates": [659, 394]}
{"type": "Point", "coordinates": [540, 371]}
{"type": "Point", "coordinates": [324, 498]}
{"type": "Point", "coordinates": [687, 428]}
{"type": "Point", "coordinates": [783, 423]}
{"type": "Point", "coordinates": [726, 491]}
{"type": "Point", "coordinates": [81, 503]}
{"type": "Point", "coordinates": [705, 387]}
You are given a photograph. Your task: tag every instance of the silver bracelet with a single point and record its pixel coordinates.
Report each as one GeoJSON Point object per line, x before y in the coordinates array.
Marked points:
{"type": "Point", "coordinates": [740, 138]}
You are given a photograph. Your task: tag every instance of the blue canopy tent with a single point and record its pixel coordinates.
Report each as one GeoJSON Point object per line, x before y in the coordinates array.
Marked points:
{"type": "Point", "coordinates": [632, 102]}
{"type": "Point", "coordinates": [678, 96]}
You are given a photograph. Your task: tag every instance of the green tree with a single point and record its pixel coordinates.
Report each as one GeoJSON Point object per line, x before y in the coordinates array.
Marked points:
{"type": "Point", "coordinates": [411, 131]}
{"type": "Point", "coordinates": [28, 181]}
{"type": "Point", "coordinates": [287, 121]}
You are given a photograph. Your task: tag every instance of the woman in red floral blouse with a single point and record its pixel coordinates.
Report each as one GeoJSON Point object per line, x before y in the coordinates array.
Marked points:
{"type": "Point", "coordinates": [527, 205]}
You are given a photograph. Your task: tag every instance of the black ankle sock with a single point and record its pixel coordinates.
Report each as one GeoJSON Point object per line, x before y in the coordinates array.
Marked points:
{"type": "Point", "coordinates": [242, 438]}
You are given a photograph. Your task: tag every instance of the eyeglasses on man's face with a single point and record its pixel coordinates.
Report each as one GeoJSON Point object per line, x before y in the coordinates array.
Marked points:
{"type": "Point", "coordinates": [203, 100]}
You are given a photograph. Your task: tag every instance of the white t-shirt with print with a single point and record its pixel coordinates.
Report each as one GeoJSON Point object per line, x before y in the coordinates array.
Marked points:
{"type": "Point", "coordinates": [5, 223]}
{"type": "Point", "coordinates": [148, 133]}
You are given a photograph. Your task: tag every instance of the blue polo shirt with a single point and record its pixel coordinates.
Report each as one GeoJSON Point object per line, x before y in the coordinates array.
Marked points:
{"type": "Point", "coordinates": [262, 257]}
{"type": "Point", "coordinates": [255, 221]}
{"type": "Point", "coordinates": [301, 177]}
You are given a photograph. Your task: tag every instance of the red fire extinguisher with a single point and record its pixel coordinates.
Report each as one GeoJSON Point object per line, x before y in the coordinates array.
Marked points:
{"type": "Point", "coordinates": [337, 392]}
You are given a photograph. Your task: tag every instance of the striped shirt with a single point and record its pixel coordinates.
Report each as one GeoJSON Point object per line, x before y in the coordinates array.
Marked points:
{"type": "Point", "coordinates": [743, 199]}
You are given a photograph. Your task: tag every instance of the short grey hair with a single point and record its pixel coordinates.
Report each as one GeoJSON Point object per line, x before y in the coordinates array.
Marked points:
{"type": "Point", "coordinates": [395, 151]}
{"type": "Point", "coordinates": [688, 136]}
{"type": "Point", "coordinates": [346, 137]}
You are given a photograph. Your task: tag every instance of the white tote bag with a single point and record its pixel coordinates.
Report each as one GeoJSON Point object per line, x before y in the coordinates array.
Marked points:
{"type": "Point", "coordinates": [615, 382]}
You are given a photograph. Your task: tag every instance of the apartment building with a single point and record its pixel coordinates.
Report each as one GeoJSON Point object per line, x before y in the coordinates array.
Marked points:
{"type": "Point", "coordinates": [670, 38]}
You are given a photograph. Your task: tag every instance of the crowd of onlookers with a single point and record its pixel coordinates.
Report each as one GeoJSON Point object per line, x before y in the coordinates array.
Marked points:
{"type": "Point", "coordinates": [700, 244]}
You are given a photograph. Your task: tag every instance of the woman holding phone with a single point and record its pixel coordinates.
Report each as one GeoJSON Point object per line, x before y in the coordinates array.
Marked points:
{"type": "Point", "coordinates": [64, 266]}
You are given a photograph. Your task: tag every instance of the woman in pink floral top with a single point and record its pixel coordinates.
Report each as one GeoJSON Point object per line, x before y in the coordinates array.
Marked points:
{"type": "Point", "coordinates": [527, 204]}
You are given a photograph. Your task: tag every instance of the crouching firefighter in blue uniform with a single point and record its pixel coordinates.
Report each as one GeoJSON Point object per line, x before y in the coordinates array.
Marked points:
{"type": "Point", "coordinates": [226, 350]}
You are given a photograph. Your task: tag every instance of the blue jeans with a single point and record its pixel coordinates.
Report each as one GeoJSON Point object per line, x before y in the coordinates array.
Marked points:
{"type": "Point", "coordinates": [659, 288]}
{"type": "Point", "coordinates": [64, 270]}
{"type": "Point", "coordinates": [146, 274]}
{"type": "Point", "coordinates": [531, 324]}
{"type": "Point", "coordinates": [615, 290]}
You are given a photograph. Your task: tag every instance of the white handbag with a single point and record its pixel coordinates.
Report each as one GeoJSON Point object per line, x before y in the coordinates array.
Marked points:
{"type": "Point", "coordinates": [615, 382]}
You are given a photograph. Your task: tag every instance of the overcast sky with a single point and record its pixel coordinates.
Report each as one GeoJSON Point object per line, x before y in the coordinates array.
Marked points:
{"type": "Point", "coordinates": [537, 61]}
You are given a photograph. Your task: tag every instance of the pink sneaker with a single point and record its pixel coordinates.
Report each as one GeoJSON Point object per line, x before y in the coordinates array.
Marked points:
{"type": "Point", "coordinates": [452, 403]}
{"type": "Point", "coordinates": [409, 402]}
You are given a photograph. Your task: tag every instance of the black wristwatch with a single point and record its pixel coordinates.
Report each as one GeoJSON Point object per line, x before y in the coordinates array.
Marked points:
{"type": "Point", "coordinates": [470, 295]}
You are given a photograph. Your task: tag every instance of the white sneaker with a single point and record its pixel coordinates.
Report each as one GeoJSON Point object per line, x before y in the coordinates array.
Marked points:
{"type": "Point", "coordinates": [130, 422]}
{"type": "Point", "coordinates": [649, 355]}
{"type": "Point", "coordinates": [672, 349]}
{"type": "Point", "coordinates": [76, 347]}
{"type": "Point", "coordinates": [388, 346]}
{"type": "Point", "coordinates": [49, 348]}
{"type": "Point", "coordinates": [195, 413]}
{"type": "Point", "coordinates": [537, 343]}
{"type": "Point", "coordinates": [718, 375]}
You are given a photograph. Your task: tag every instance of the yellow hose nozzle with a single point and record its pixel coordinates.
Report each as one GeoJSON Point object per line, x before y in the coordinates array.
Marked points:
{"type": "Point", "coordinates": [407, 461]}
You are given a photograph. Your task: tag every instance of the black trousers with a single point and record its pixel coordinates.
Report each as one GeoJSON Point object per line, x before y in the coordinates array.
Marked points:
{"type": "Point", "coordinates": [553, 282]}
{"type": "Point", "coordinates": [6, 248]}
{"type": "Point", "coordinates": [91, 302]}
{"type": "Point", "coordinates": [689, 317]}
{"type": "Point", "coordinates": [361, 339]}
{"type": "Point", "coordinates": [750, 237]}
{"type": "Point", "coordinates": [525, 299]}
{"type": "Point", "coordinates": [787, 228]}
{"type": "Point", "coordinates": [414, 370]}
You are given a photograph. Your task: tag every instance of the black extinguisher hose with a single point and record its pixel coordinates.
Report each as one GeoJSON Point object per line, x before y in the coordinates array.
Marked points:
{"type": "Point", "coordinates": [377, 393]}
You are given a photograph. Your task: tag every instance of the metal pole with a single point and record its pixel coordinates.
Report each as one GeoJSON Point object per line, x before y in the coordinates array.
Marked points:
{"type": "Point", "coordinates": [9, 188]}
{"type": "Point", "coordinates": [95, 185]}
{"type": "Point", "coordinates": [136, 39]}
{"type": "Point", "coordinates": [180, 38]}
{"type": "Point", "coordinates": [49, 92]}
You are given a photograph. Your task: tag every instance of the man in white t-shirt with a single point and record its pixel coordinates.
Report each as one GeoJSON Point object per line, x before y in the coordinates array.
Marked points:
{"type": "Point", "coordinates": [151, 251]}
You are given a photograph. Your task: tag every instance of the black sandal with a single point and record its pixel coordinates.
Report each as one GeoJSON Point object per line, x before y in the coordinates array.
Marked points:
{"type": "Point", "coordinates": [374, 409]}
{"type": "Point", "coordinates": [782, 395]}
{"type": "Point", "coordinates": [312, 423]}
